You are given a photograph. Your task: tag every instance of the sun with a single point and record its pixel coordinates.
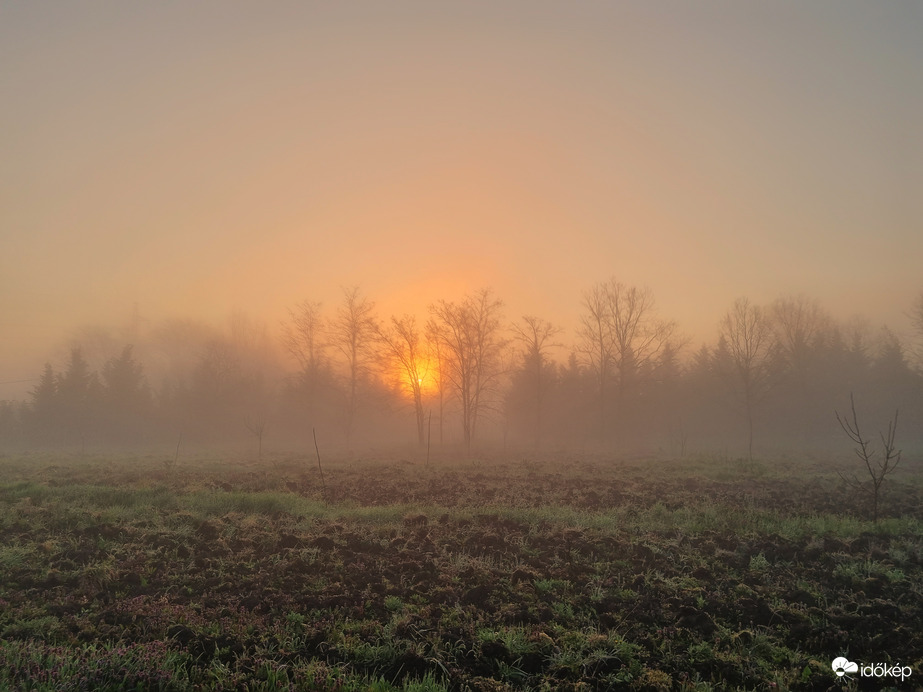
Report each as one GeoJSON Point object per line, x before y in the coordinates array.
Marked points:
{"type": "Point", "coordinates": [426, 375]}
{"type": "Point", "coordinates": [421, 376]}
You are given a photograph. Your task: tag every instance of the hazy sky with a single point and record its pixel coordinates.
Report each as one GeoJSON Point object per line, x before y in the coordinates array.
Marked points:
{"type": "Point", "coordinates": [192, 158]}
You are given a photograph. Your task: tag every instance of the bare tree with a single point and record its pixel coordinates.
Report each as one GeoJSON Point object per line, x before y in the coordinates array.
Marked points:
{"type": "Point", "coordinates": [639, 336]}
{"type": "Point", "coordinates": [405, 347]}
{"type": "Point", "coordinates": [313, 386]}
{"type": "Point", "coordinates": [801, 326]}
{"type": "Point", "coordinates": [746, 339]}
{"type": "Point", "coordinates": [916, 319]}
{"type": "Point", "coordinates": [255, 352]}
{"type": "Point", "coordinates": [535, 337]}
{"type": "Point", "coordinates": [439, 360]}
{"type": "Point", "coordinates": [469, 334]}
{"type": "Point", "coordinates": [621, 336]}
{"type": "Point", "coordinates": [597, 345]}
{"type": "Point", "coordinates": [353, 334]}
{"type": "Point", "coordinates": [804, 337]}
{"type": "Point", "coordinates": [303, 338]}
{"type": "Point", "coordinates": [877, 470]}
{"type": "Point", "coordinates": [257, 427]}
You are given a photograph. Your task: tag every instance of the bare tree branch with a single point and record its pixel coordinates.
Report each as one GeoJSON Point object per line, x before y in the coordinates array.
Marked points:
{"type": "Point", "coordinates": [469, 337]}
{"type": "Point", "coordinates": [877, 470]}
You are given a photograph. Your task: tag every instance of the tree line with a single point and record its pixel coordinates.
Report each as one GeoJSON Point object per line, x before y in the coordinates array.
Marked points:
{"type": "Point", "coordinates": [627, 380]}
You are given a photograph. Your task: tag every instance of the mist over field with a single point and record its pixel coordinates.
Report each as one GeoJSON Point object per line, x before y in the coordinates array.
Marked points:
{"type": "Point", "coordinates": [448, 347]}
{"type": "Point", "coordinates": [468, 375]}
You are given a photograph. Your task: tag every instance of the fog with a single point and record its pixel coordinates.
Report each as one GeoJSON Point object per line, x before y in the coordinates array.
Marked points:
{"type": "Point", "coordinates": [187, 190]}
{"type": "Point", "coordinates": [470, 377]}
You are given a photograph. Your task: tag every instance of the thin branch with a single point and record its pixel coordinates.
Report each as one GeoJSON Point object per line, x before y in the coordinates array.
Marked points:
{"type": "Point", "coordinates": [323, 485]}
{"type": "Point", "coordinates": [877, 471]}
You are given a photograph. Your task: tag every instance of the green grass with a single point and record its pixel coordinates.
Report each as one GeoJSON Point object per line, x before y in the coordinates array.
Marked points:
{"type": "Point", "coordinates": [215, 578]}
{"type": "Point", "coordinates": [690, 520]}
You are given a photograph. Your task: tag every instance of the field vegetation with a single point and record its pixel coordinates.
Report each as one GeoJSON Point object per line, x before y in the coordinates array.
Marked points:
{"type": "Point", "coordinates": [508, 573]}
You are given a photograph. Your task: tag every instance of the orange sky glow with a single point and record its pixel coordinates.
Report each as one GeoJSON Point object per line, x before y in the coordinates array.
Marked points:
{"type": "Point", "coordinates": [180, 160]}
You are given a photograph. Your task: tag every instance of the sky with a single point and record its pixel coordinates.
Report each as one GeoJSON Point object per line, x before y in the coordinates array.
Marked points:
{"type": "Point", "coordinates": [179, 159]}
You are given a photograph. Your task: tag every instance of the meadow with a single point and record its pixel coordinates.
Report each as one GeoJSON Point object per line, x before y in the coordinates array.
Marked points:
{"type": "Point", "coordinates": [506, 572]}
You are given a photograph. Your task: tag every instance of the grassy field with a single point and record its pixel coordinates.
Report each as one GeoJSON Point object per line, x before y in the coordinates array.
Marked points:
{"type": "Point", "coordinates": [492, 574]}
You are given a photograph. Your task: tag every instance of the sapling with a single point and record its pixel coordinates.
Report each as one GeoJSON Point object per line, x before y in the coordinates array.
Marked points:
{"type": "Point", "coordinates": [323, 485]}
{"type": "Point", "coordinates": [878, 469]}
{"type": "Point", "coordinates": [257, 427]}
{"type": "Point", "coordinates": [170, 464]}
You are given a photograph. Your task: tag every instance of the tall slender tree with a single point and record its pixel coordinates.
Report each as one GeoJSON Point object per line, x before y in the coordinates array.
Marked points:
{"type": "Point", "coordinates": [45, 410]}
{"type": "Point", "coordinates": [405, 347]}
{"type": "Point", "coordinates": [745, 341]}
{"type": "Point", "coordinates": [620, 338]}
{"type": "Point", "coordinates": [535, 338]}
{"type": "Point", "coordinates": [803, 335]}
{"type": "Point", "coordinates": [596, 346]}
{"type": "Point", "coordinates": [123, 380]}
{"type": "Point", "coordinates": [470, 334]}
{"type": "Point", "coordinates": [303, 338]}
{"type": "Point", "coordinates": [431, 330]}
{"type": "Point", "coordinates": [78, 390]}
{"type": "Point", "coordinates": [126, 398]}
{"type": "Point", "coordinates": [353, 335]}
